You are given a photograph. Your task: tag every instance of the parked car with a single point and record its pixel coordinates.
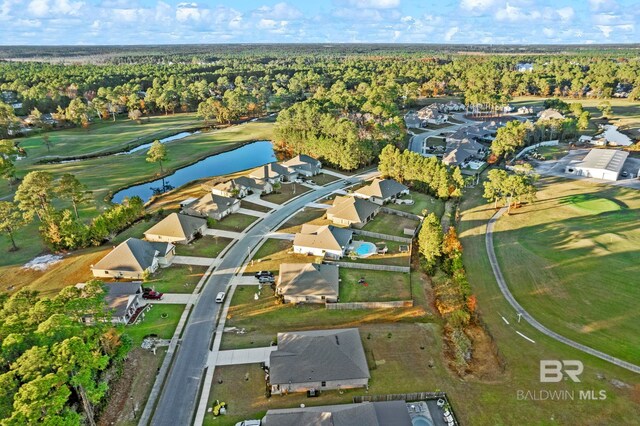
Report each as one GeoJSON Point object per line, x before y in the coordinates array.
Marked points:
{"type": "Point", "coordinates": [624, 173]}
{"type": "Point", "coordinates": [310, 182]}
{"type": "Point", "coordinates": [249, 423]}
{"type": "Point", "coordinates": [266, 279]}
{"type": "Point", "coordinates": [263, 274]}
{"type": "Point", "coordinates": [152, 294]}
{"type": "Point", "coordinates": [220, 297]}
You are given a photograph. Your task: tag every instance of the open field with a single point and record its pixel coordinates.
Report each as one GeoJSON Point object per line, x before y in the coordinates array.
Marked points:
{"type": "Point", "coordinates": [571, 260]}
{"type": "Point", "coordinates": [324, 179]}
{"type": "Point", "coordinates": [206, 246]}
{"type": "Point", "coordinates": [262, 319]}
{"type": "Point", "coordinates": [274, 252]}
{"type": "Point", "coordinates": [106, 136]}
{"type": "Point", "coordinates": [379, 286]}
{"type": "Point", "coordinates": [160, 320]}
{"type": "Point", "coordinates": [484, 402]}
{"type": "Point", "coordinates": [286, 192]}
{"type": "Point", "coordinates": [235, 222]}
{"type": "Point", "coordinates": [421, 202]}
{"type": "Point", "coordinates": [253, 206]}
{"type": "Point", "coordinates": [176, 279]}
{"type": "Point", "coordinates": [390, 224]}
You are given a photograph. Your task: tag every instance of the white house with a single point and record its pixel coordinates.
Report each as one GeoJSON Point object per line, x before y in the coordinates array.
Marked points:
{"type": "Point", "coordinates": [603, 164]}
{"type": "Point", "coordinates": [133, 259]}
{"type": "Point", "coordinates": [326, 240]}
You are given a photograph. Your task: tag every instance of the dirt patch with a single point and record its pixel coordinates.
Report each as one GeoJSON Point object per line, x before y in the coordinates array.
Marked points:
{"type": "Point", "coordinates": [486, 363]}
{"type": "Point", "coordinates": [128, 394]}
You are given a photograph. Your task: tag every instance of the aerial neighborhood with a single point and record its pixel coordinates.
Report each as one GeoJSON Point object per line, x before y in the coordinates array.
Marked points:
{"type": "Point", "coordinates": [331, 234]}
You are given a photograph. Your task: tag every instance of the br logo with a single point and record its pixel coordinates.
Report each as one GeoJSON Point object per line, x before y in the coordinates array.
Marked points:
{"type": "Point", "coordinates": [552, 371]}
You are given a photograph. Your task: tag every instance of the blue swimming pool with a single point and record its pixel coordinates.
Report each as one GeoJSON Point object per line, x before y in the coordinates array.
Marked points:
{"type": "Point", "coordinates": [364, 249]}
{"type": "Point", "coordinates": [421, 421]}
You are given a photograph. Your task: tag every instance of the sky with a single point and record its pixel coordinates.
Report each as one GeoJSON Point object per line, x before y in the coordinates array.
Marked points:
{"type": "Point", "coordinates": [82, 22]}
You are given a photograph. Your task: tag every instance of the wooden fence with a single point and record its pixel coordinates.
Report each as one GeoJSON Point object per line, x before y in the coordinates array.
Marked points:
{"type": "Point", "coordinates": [369, 305]}
{"type": "Point", "coordinates": [401, 213]}
{"type": "Point", "coordinates": [371, 266]}
{"type": "Point", "coordinates": [382, 236]}
{"type": "Point", "coordinates": [415, 396]}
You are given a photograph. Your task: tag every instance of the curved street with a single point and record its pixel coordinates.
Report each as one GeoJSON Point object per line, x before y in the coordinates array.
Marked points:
{"type": "Point", "coordinates": [514, 303]}
{"type": "Point", "coordinates": [180, 392]}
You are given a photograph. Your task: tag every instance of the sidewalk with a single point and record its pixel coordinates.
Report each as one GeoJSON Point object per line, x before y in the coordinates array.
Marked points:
{"type": "Point", "coordinates": [175, 299]}
{"type": "Point", "coordinates": [280, 235]}
{"type": "Point", "coordinates": [318, 205]}
{"type": "Point", "coordinates": [255, 198]}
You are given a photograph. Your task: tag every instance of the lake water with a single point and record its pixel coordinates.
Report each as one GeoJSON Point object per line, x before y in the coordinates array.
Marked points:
{"type": "Point", "coordinates": [176, 137]}
{"type": "Point", "coordinates": [246, 157]}
{"type": "Point", "coordinates": [614, 137]}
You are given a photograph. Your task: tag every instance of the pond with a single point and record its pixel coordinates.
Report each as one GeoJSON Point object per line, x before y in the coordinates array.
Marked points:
{"type": "Point", "coordinates": [246, 157]}
{"type": "Point", "coordinates": [176, 137]}
{"type": "Point", "coordinates": [615, 137]}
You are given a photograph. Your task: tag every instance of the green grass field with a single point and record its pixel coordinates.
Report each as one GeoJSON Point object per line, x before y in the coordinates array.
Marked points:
{"type": "Point", "coordinates": [571, 260]}
{"type": "Point", "coordinates": [379, 286]}
{"type": "Point", "coordinates": [485, 402]}
{"type": "Point", "coordinates": [176, 279]}
{"type": "Point", "coordinates": [390, 224]}
{"type": "Point", "coordinates": [286, 192]}
{"type": "Point", "coordinates": [236, 222]}
{"type": "Point", "coordinates": [206, 246]}
{"type": "Point", "coordinates": [106, 136]}
{"type": "Point", "coordinates": [161, 320]}
{"type": "Point", "coordinates": [421, 202]}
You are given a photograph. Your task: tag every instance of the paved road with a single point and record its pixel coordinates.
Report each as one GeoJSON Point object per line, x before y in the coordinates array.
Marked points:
{"type": "Point", "coordinates": [179, 398]}
{"type": "Point", "coordinates": [512, 301]}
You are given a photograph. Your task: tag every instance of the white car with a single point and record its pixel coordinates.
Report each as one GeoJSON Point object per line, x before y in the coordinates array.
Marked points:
{"type": "Point", "coordinates": [220, 297]}
{"type": "Point", "coordinates": [249, 423]}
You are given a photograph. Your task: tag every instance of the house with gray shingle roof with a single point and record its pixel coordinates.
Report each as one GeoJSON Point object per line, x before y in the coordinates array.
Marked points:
{"type": "Point", "coordinates": [176, 228]}
{"type": "Point", "coordinates": [308, 283]}
{"type": "Point", "coordinates": [550, 114]}
{"type": "Point", "coordinates": [352, 211]}
{"type": "Point", "coordinates": [458, 152]}
{"type": "Point", "coordinates": [123, 299]}
{"type": "Point", "coordinates": [322, 240]}
{"type": "Point", "coordinates": [304, 165]}
{"type": "Point", "coordinates": [320, 360]}
{"type": "Point", "coordinates": [273, 173]}
{"type": "Point", "coordinates": [383, 413]}
{"type": "Point", "coordinates": [133, 259]}
{"type": "Point", "coordinates": [382, 191]}
{"type": "Point", "coordinates": [213, 206]}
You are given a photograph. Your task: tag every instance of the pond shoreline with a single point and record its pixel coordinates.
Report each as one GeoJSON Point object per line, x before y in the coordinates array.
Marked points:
{"type": "Point", "coordinates": [109, 197]}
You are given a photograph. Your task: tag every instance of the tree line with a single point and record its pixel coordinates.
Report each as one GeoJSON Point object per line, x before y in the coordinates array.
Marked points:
{"type": "Point", "coordinates": [53, 367]}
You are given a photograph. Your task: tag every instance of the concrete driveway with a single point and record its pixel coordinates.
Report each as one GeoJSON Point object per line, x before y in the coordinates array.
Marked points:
{"type": "Point", "coordinates": [193, 260]}
{"type": "Point", "coordinates": [245, 356]}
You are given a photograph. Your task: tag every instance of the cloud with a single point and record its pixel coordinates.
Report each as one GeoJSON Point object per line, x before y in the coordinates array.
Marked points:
{"type": "Point", "coordinates": [603, 5]}
{"type": "Point", "coordinates": [477, 5]}
{"type": "Point", "coordinates": [450, 33]}
{"type": "Point", "coordinates": [566, 13]}
{"type": "Point", "coordinates": [371, 4]}
{"type": "Point", "coordinates": [51, 8]}
{"type": "Point", "coordinates": [280, 11]}
{"type": "Point", "coordinates": [515, 14]}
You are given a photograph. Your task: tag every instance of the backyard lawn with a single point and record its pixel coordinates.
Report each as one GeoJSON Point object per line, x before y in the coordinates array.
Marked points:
{"type": "Point", "coordinates": [393, 256]}
{"type": "Point", "coordinates": [378, 286]}
{"type": "Point", "coordinates": [390, 224]}
{"type": "Point", "coordinates": [262, 319]}
{"type": "Point", "coordinates": [286, 192]}
{"type": "Point", "coordinates": [160, 320]}
{"type": "Point", "coordinates": [176, 279]}
{"type": "Point", "coordinates": [421, 202]}
{"type": "Point", "coordinates": [274, 252]}
{"type": "Point", "coordinates": [235, 222]}
{"type": "Point", "coordinates": [307, 215]}
{"type": "Point", "coordinates": [206, 246]}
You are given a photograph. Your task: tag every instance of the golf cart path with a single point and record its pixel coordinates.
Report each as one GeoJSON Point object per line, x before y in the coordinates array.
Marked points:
{"type": "Point", "coordinates": [502, 284]}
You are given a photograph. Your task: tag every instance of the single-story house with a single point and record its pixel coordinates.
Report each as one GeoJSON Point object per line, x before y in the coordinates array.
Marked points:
{"type": "Point", "coordinates": [213, 206]}
{"type": "Point", "coordinates": [255, 186]}
{"type": "Point", "coordinates": [458, 152]}
{"type": "Point", "coordinates": [525, 110]}
{"type": "Point", "coordinates": [599, 164]}
{"type": "Point", "coordinates": [322, 240]}
{"type": "Point", "coordinates": [382, 191]}
{"type": "Point", "coordinates": [123, 299]}
{"type": "Point", "coordinates": [231, 188]}
{"type": "Point", "coordinates": [273, 173]}
{"type": "Point", "coordinates": [550, 114]}
{"type": "Point", "coordinates": [133, 259]}
{"type": "Point", "coordinates": [352, 211]}
{"type": "Point", "coordinates": [177, 228]}
{"type": "Point", "coordinates": [304, 165]}
{"type": "Point", "coordinates": [308, 282]}
{"type": "Point", "coordinates": [382, 413]}
{"type": "Point", "coordinates": [319, 360]}
{"type": "Point", "coordinates": [430, 114]}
